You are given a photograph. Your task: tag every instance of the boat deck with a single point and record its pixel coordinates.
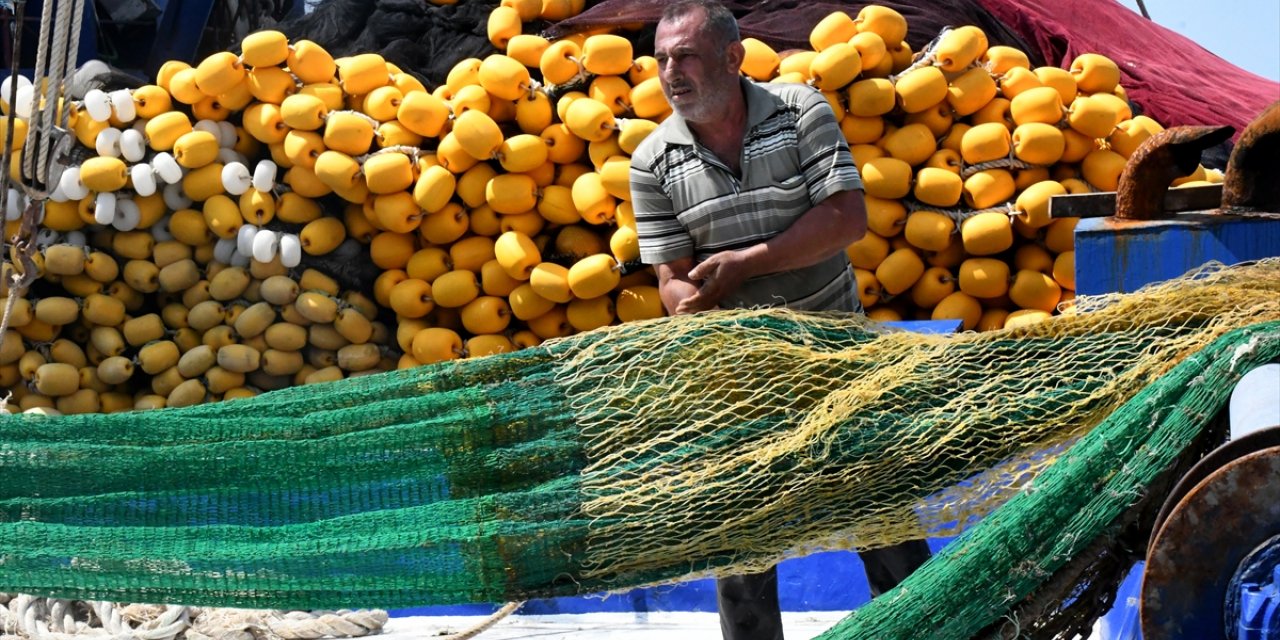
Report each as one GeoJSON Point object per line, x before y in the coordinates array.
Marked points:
{"type": "Point", "coordinates": [599, 626]}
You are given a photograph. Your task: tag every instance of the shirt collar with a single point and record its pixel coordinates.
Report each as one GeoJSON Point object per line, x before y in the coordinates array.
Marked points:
{"type": "Point", "coordinates": [760, 105]}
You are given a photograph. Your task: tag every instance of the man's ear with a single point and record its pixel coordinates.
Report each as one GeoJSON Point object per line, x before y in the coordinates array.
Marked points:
{"type": "Point", "coordinates": [735, 55]}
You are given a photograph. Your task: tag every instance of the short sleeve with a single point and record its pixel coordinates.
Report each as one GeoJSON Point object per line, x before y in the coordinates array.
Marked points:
{"type": "Point", "coordinates": [824, 155]}
{"type": "Point", "coordinates": [662, 237]}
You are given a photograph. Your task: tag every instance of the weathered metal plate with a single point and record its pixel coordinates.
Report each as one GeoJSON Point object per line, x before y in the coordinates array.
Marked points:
{"type": "Point", "coordinates": [1103, 203]}
{"type": "Point", "coordinates": [1214, 460]}
{"type": "Point", "coordinates": [1203, 540]}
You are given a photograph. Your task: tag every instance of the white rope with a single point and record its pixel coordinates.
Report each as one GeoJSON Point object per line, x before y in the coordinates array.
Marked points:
{"type": "Point", "coordinates": [922, 58]}
{"type": "Point", "coordinates": [56, 80]}
{"type": "Point", "coordinates": [958, 215]}
{"type": "Point", "coordinates": [73, 54]}
{"type": "Point", "coordinates": [1003, 163]}
{"type": "Point", "coordinates": [169, 623]}
{"type": "Point", "coordinates": [407, 150]}
{"type": "Point", "coordinates": [348, 624]}
{"type": "Point", "coordinates": [24, 617]}
{"type": "Point", "coordinates": [219, 624]}
{"type": "Point", "coordinates": [58, 48]}
{"type": "Point", "coordinates": [486, 624]}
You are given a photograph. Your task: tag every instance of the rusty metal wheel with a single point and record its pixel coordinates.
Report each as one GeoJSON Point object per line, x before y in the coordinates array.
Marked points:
{"type": "Point", "coordinates": [1228, 512]}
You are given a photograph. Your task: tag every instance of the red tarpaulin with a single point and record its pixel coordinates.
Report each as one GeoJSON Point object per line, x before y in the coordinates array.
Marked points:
{"type": "Point", "coordinates": [1175, 80]}
{"type": "Point", "coordinates": [1171, 78]}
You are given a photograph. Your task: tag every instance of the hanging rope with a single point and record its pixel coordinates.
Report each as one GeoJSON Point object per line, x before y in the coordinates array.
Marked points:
{"type": "Point", "coordinates": [56, 54]}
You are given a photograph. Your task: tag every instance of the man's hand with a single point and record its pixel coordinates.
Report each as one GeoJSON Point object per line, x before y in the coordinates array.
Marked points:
{"type": "Point", "coordinates": [718, 276]}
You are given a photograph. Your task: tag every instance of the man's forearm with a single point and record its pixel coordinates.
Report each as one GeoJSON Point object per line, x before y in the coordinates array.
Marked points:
{"type": "Point", "coordinates": [675, 291]}
{"type": "Point", "coordinates": [674, 284]}
{"type": "Point", "coordinates": [819, 234]}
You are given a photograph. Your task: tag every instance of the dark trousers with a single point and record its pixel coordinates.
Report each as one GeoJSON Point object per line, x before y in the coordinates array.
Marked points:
{"type": "Point", "coordinates": [749, 603]}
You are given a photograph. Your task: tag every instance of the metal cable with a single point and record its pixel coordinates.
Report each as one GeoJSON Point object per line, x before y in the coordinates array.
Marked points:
{"type": "Point", "coordinates": [37, 75]}
{"type": "Point", "coordinates": [57, 67]}
{"type": "Point", "coordinates": [73, 59]}
{"type": "Point", "coordinates": [19, 14]}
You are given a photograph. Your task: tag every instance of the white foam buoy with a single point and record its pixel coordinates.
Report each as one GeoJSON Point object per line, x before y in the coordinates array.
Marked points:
{"type": "Point", "coordinates": [128, 215]}
{"type": "Point", "coordinates": [57, 195]}
{"type": "Point", "coordinates": [167, 168]}
{"type": "Point", "coordinates": [104, 208]}
{"type": "Point", "coordinates": [7, 85]}
{"type": "Point", "coordinates": [46, 238]}
{"type": "Point", "coordinates": [24, 102]}
{"type": "Point", "coordinates": [13, 205]}
{"type": "Point", "coordinates": [235, 178]}
{"type": "Point", "coordinates": [123, 105]}
{"type": "Point", "coordinates": [290, 250]}
{"type": "Point", "coordinates": [264, 175]}
{"type": "Point", "coordinates": [244, 238]}
{"type": "Point", "coordinates": [76, 239]}
{"type": "Point", "coordinates": [133, 145]}
{"type": "Point", "coordinates": [71, 185]}
{"type": "Point", "coordinates": [226, 155]}
{"type": "Point", "coordinates": [98, 104]}
{"type": "Point", "coordinates": [144, 179]}
{"type": "Point", "coordinates": [224, 250]}
{"type": "Point", "coordinates": [108, 142]}
{"type": "Point", "coordinates": [239, 260]}
{"type": "Point", "coordinates": [265, 244]}
{"type": "Point", "coordinates": [208, 126]}
{"type": "Point", "coordinates": [174, 198]}
{"type": "Point", "coordinates": [226, 134]}
{"type": "Point", "coordinates": [160, 230]}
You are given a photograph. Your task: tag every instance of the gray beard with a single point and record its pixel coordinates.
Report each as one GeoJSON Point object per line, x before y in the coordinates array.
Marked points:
{"type": "Point", "coordinates": [705, 112]}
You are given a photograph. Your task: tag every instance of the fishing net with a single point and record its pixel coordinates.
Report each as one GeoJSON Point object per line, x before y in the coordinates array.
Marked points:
{"type": "Point", "coordinates": [645, 453]}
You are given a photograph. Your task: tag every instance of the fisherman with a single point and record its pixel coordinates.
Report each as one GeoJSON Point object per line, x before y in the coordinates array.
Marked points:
{"type": "Point", "coordinates": [747, 196]}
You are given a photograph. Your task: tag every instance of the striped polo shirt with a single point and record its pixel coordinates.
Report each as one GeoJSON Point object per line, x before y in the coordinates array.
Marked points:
{"type": "Point", "coordinates": [690, 204]}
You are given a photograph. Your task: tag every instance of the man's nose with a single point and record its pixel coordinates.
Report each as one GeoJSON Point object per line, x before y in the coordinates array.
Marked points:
{"type": "Point", "coordinates": [669, 75]}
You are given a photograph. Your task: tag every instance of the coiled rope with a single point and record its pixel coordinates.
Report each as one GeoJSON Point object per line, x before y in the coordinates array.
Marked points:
{"type": "Point", "coordinates": [24, 617]}
{"type": "Point", "coordinates": [27, 617]}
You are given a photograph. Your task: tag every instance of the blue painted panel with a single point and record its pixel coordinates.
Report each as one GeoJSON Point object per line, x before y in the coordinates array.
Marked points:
{"type": "Point", "coordinates": [827, 581]}
{"type": "Point", "coordinates": [928, 326]}
{"type": "Point", "coordinates": [87, 50]}
{"type": "Point", "coordinates": [1122, 256]}
{"type": "Point", "coordinates": [178, 32]}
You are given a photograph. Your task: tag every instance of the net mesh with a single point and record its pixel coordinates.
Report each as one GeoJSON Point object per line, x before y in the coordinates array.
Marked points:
{"type": "Point", "coordinates": [995, 564]}
{"type": "Point", "coordinates": [642, 454]}
{"type": "Point", "coordinates": [822, 431]}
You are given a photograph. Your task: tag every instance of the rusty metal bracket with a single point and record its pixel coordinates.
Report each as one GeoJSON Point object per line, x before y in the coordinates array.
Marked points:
{"type": "Point", "coordinates": [1103, 203]}
{"type": "Point", "coordinates": [1255, 158]}
{"type": "Point", "coordinates": [1159, 161]}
